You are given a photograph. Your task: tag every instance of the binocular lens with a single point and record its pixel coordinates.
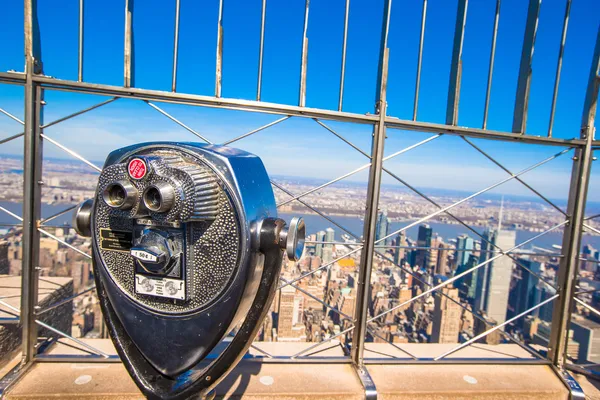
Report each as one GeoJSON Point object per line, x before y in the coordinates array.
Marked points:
{"type": "Point", "coordinates": [152, 199]}
{"type": "Point", "coordinates": [159, 197]}
{"type": "Point", "coordinates": [120, 195]}
{"type": "Point", "coordinates": [116, 195]}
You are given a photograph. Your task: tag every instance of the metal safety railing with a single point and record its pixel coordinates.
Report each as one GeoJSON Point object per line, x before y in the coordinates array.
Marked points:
{"type": "Point", "coordinates": [367, 245]}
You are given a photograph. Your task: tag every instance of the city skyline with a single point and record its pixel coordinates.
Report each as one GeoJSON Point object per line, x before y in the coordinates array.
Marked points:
{"type": "Point", "coordinates": [526, 195]}
{"type": "Point", "coordinates": [321, 304]}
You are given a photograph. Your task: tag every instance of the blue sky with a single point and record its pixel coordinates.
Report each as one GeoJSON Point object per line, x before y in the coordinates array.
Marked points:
{"type": "Point", "coordinates": [297, 146]}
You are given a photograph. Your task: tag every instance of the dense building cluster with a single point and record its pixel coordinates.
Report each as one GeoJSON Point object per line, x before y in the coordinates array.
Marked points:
{"type": "Point", "coordinates": [492, 283]}
{"type": "Point", "coordinates": [317, 297]}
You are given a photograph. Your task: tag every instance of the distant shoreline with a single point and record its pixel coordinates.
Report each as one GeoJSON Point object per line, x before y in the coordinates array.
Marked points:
{"type": "Point", "coordinates": [352, 215]}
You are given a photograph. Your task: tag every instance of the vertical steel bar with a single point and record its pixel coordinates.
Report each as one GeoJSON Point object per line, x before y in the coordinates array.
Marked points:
{"type": "Point", "coordinates": [304, 58]}
{"type": "Point", "coordinates": [128, 55]}
{"type": "Point", "coordinates": [32, 166]}
{"type": "Point", "coordinates": [488, 91]}
{"type": "Point", "coordinates": [524, 82]}
{"type": "Point", "coordinates": [456, 66]}
{"type": "Point", "coordinates": [559, 66]}
{"type": "Point", "coordinates": [261, 49]}
{"type": "Point", "coordinates": [80, 65]}
{"type": "Point", "coordinates": [373, 191]}
{"type": "Point", "coordinates": [385, 30]}
{"type": "Point", "coordinates": [344, 45]}
{"type": "Point", "coordinates": [175, 46]}
{"type": "Point", "coordinates": [591, 97]}
{"type": "Point", "coordinates": [568, 271]}
{"type": "Point", "coordinates": [420, 60]}
{"type": "Point", "coordinates": [580, 175]}
{"type": "Point", "coordinates": [369, 233]}
{"type": "Point", "coordinates": [219, 68]}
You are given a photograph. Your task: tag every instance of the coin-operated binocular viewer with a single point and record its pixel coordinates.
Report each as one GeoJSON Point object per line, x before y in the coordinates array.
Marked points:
{"type": "Point", "coordinates": [187, 250]}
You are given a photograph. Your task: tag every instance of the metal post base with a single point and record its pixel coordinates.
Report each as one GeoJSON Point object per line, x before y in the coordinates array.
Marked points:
{"type": "Point", "coordinates": [12, 377]}
{"type": "Point", "coordinates": [575, 390]}
{"type": "Point", "coordinates": [367, 382]}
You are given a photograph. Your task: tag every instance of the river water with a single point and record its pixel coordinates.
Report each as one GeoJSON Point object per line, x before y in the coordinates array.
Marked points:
{"type": "Point", "coordinates": [315, 223]}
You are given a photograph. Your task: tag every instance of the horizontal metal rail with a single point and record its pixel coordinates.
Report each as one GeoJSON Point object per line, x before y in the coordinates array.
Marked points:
{"type": "Point", "coordinates": [76, 358]}
{"type": "Point", "coordinates": [458, 361]}
{"type": "Point", "coordinates": [273, 108]}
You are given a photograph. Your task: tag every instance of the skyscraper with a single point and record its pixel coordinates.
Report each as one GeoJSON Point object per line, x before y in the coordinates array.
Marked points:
{"type": "Point", "coordinates": [442, 258]}
{"type": "Point", "coordinates": [472, 282]}
{"type": "Point", "coordinates": [382, 228]}
{"type": "Point", "coordinates": [327, 255]}
{"type": "Point", "coordinates": [289, 321]}
{"type": "Point", "coordinates": [525, 293]}
{"type": "Point", "coordinates": [388, 227]}
{"type": "Point", "coordinates": [319, 246]}
{"type": "Point", "coordinates": [446, 317]}
{"type": "Point", "coordinates": [481, 282]}
{"type": "Point", "coordinates": [399, 251]}
{"type": "Point", "coordinates": [463, 260]}
{"type": "Point", "coordinates": [589, 253]}
{"type": "Point", "coordinates": [432, 255]}
{"type": "Point", "coordinates": [329, 235]}
{"type": "Point", "coordinates": [493, 279]}
{"type": "Point", "coordinates": [543, 292]}
{"type": "Point", "coordinates": [423, 240]}
{"type": "Point", "coordinates": [467, 285]}
{"type": "Point", "coordinates": [464, 249]}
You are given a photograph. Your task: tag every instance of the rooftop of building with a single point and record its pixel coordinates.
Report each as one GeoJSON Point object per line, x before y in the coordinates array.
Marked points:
{"type": "Point", "coordinates": [585, 322]}
{"type": "Point", "coordinates": [11, 289]}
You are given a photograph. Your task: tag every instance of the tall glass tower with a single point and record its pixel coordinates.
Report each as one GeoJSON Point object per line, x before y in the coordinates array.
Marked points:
{"type": "Point", "coordinates": [493, 279]}
{"type": "Point", "coordinates": [423, 240]}
{"type": "Point", "coordinates": [382, 225]}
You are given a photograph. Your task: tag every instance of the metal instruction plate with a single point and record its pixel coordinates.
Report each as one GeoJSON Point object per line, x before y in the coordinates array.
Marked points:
{"type": "Point", "coordinates": [115, 240]}
{"type": "Point", "coordinates": [160, 287]}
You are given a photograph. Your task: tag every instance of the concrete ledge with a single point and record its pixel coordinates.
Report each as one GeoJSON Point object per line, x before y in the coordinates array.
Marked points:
{"type": "Point", "coordinates": [467, 381]}
{"type": "Point", "coordinates": [254, 380]}
{"type": "Point", "coordinates": [250, 380]}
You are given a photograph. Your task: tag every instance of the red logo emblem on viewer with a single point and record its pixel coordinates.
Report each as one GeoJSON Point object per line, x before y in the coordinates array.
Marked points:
{"type": "Point", "coordinates": [137, 168]}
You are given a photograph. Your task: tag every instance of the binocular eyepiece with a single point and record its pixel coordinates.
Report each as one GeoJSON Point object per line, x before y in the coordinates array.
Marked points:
{"type": "Point", "coordinates": [187, 250]}
{"type": "Point", "coordinates": [159, 197]}
{"type": "Point", "coordinates": [121, 195]}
